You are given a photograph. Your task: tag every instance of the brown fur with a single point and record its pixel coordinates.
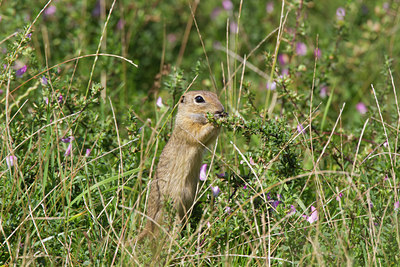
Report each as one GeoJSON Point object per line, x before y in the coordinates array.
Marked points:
{"type": "Point", "coordinates": [178, 169]}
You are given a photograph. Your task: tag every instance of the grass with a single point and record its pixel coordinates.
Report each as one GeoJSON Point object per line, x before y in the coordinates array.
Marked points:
{"type": "Point", "coordinates": [307, 172]}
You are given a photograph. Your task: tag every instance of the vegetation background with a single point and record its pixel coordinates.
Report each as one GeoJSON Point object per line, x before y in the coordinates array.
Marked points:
{"type": "Point", "coordinates": [304, 173]}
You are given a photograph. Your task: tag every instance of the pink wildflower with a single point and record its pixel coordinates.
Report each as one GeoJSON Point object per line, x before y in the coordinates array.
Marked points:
{"type": "Point", "coordinates": [159, 102]}
{"type": "Point", "coordinates": [215, 190]}
{"type": "Point", "coordinates": [11, 160]}
{"type": "Point", "coordinates": [314, 215]}
{"type": "Point", "coordinates": [49, 11]}
{"type": "Point", "coordinates": [361, 108]}
{"type": "Point", "coordinates": [340, 13]}
{"type": "Point", "coordinates": [323, 92]}
{"type": "Point", "coordinates": [292, 210]}
{"type": "Point", "coordinates": [203, 172]}
{"type": "Point", "coordinates": [271, 85]}
{"type": "Point", "coordinates": [68, 151]}
{"type": "Point", "coordinates": [227, 5]}
{"type": "Point", "coordinates": [270, 7]}
{"type": "Point", "coordinates": [301, 49]}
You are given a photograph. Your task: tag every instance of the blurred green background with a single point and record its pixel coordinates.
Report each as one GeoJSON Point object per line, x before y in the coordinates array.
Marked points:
{"type": "Point", "coordinates": [356, 42]}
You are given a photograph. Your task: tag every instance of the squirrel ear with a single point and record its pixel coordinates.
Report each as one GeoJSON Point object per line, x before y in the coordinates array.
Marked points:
{"type": "Point", "coordinates": [182, 99]}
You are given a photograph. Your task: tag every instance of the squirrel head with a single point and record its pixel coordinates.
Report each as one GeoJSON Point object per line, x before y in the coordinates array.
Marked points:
{"type": "Point", "coordinates": [192, 117]}
{"type": "Point", "coordinates": [196, 104]}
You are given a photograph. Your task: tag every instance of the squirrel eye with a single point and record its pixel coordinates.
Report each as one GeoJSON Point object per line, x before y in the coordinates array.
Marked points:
{"type": "Point", "coordinates": [199, 99]}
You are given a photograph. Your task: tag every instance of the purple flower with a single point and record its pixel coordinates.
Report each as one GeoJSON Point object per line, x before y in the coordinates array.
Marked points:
{"type": "Point", "coordinates": [44, 80]}
{"type": "Point", "coordinates": [50, 10]}
{"type": "Point", "coordinates": [21, 71]}
{"type": "Point", "coordinates": [371, 205]}
{"type": "Point", "coordinates": [245, 187]}
{"type": "Point", "coordinates": [221, 175]}
{"type": "Point", "coordinates": [340, 13]}
{"type": "Point", "coordinates": [67, 139]}
{"type": "Point", "coordinates": [283, 59]}
{"type": "Point", "coordinates": [314, 215]}
{"type": "Point", "coordinates": [300, 128]}
{"type": "Point", "coordinates": [97, 9]}
{"type": "Point", "coordinates": [396, 205]}
{"type": "Point", "coordinates": [68, 151]}
{"type": "Point", "coordinates": [271, 85]}
{"type": "Point", "coordinates": [11, 160]}
{"type": "Point", "coordinates": [301, 49]}
{"type": "Point", "coordinates": [215, 13]}
{"type": "Point", "coordinates": [159, 102]}
{"type": "Point", "coordinates": [361, 108]}
{"type": "Point", "coordinates": [228, 210]}
{"type": "Point", "coordinates": [46, 100]}
{"type": "Point", "coordinates": [270, 7]}
{"type": "Point", "coordinates": [215, 190]}
{"type": "Point", "coordinates": [275, 203]}
{"type": "Point", "coordinates": [1, 91]}
{"type": "Point", "coordinates": [203, 172]}
{"type": "Point", "coordinates": [323, 92]}
{"type": "Point", "coordinates": [386, 177]}
{"type": "Point", "coordinates": [251, 161]}
{"type": "Point", "coordinates": [29, 35]}
{"type": "Point", "coordinates": [227, 5]}
{"type": "Point", "coordinates": [233, 27]}
{"type": "Point", "coordinates": [60, 99]}
{"type": "Point", "coordinates": [88, 150]}
{"type": "Point", "coordinates": [268, 196]}
{"type": "Point", "coordinates": [339, 196]}
{"type": "Point", "coordinates": [120, 24]}
{"type": "Point", "coordinates": [292, 209]}
{"type": "Point", "coordinates": [4, 66]}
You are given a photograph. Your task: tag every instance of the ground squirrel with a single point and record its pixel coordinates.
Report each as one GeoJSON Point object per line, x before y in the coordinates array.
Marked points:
{"type": "Point", "coordinates": [178, 169]}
